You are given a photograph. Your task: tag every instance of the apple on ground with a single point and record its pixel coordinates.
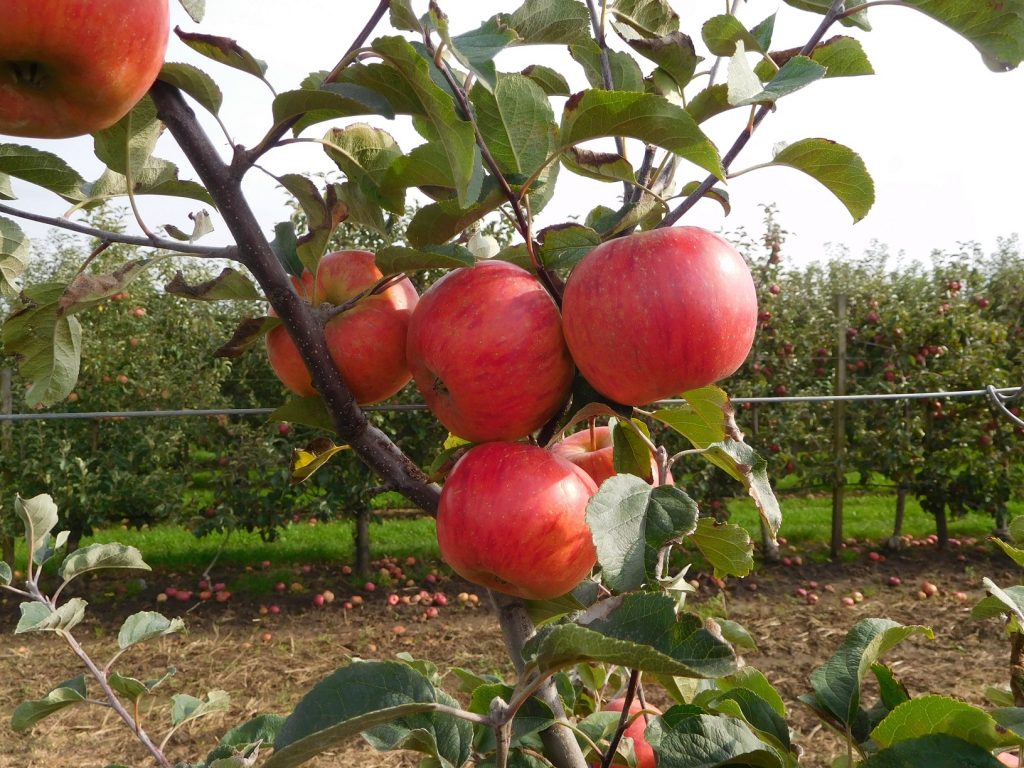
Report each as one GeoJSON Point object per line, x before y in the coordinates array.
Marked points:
{"type": "Point", "coordinates": [655, 314]}
{"type": "Point", "coordinates": [512, 517]}
{"type": "Point", "coordinates": [635, 731]}
{"type": "Point", "coordinates": [366, 342]}
{"type": "Point", "coordinates": [591, 450]}
{"type": "Point", "coordinates": [72, 67]}
{"type": "Point", "coordinates": [487, 352]}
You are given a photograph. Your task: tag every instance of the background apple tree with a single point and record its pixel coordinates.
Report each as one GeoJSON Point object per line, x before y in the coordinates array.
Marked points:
{"type": "Point", "coordinates": [496, 142]}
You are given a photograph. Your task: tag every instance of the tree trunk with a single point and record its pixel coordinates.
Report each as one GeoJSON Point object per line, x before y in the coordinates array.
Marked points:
{"type": "Point", "coordinates": [7, 527]}
{"type": "Point", "coordinates": [362, 541]}
{"type": "Point", "coordinates": [942, 529]}
{"type": "Point", "coordinates": [901, 510]}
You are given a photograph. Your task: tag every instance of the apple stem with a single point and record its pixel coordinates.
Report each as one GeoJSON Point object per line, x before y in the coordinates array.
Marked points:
{"type": "Point", "coordinates": [593, 435]}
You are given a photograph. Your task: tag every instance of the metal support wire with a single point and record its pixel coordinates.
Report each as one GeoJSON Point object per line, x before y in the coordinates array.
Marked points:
{"type": "Point", "coordinates": [1000, 396]}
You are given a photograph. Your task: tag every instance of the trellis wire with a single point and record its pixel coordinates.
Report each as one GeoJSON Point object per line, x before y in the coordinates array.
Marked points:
{"type": "Point", "coordinates": [999, 396]}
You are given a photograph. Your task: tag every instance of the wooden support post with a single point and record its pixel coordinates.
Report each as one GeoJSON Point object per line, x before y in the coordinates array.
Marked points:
{"type": "Point", "coordinates": [839, 430]}
{"type": "Point", "coordinates": [6, 447]}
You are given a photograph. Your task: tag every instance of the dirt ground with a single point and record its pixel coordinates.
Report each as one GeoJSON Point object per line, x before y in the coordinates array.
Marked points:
{"type": "Point", "coordinates": [266, 662]}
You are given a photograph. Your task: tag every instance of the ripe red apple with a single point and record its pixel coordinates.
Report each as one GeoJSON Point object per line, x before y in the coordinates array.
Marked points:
{"type": "Point", "coordinates": [635, 731]}
{"type": "Point", "coordinates": [487, 352]}
{"type": "Point", "coordinates": [366, 342]}
{"type": "Point", "coordinates": [72, 67]}
{"type": "Point", "coordinates": [658, 313]}
{"type": "Point", "coordinates": [512, 517]}
{"type": "Point", "coordinates": [592, 451]}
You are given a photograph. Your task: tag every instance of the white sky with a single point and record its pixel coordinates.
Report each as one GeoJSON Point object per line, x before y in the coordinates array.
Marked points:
{"type": "Point", "coordinates": [940, 133]}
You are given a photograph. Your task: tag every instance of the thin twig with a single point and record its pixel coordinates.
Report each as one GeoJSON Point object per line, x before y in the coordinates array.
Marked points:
{"type": "Point", "coordinates": [834, 13]}
{"type": "Point", "coordinates": [230, 252]}
{"type": "Point", "coordinates": [634, 680]}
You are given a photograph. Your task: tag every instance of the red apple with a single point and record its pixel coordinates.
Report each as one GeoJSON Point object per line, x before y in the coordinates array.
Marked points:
{"type": "Point", "coordinates": [512, 517]}
{"type": "Point", "coordinates": [487, 352]}
{"type": "Point", "coordinates": [635, 731]}
{"type": "Point", "coordinates": [658, 313]}
{"type": "Point", "coordinates": [592, 451]}
{"type": "Point", "coordinates": [366, 342]}
{"type": "Point", "coordinates": [72, 67]}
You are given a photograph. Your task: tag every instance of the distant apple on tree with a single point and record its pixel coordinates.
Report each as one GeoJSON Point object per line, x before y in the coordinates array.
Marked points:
{"type": "Point", "coordinates": [72, 67]}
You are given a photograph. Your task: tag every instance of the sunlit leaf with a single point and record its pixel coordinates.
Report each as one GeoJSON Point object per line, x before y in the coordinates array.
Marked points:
{"type": "Point", "coordinates": [928, 715]}
{"type": "Point", "coordinates": [196, 9]}
{"type": "Point", "coordinates": [721, 34]}
{"type": "Point", "coordinates": [39, 516]}
{"type": "Point", "coordinates": [550, 80]}
{"type": "Point", "coordinates": [649, 18]}
{"type": "Point", "coordinates": [14, 252]}
{"type": "Point", "coordinates": [395, 258]}
{"type": "Point", "coordinates": [97, 556]}
{"type": "Point", "coordinates": [935, 751]}
{"type": "Point", "coordinates": [185, 708]}
{"type": "Point", "coordinates": [836, 167]}
{"type": "Point", "coordinates": [146, 625]}
{"type": "Point", "coordinates": [228, 285]}
{"type": "Point", "coordinates": [625, 72]}
{"type": "Point", "coordinates": [550, 22]}
{"type": "Point", "coordinates": [309, 411]}
{"type": "Point", "coordinates": [44, 169]}
{"type": "Point", "coordinates": [727, 547]}
{"type": "Point", "coordinates": [39, 617]}
{"type": "Point", "coordinates": [996, 29]}
{"type": "Point", "coordinates": [364, 154]}
{"type": "Point", "coordinates": [195, 82]}
{"type": "Point", "coordinates": [306, 461]}
{"type": "Point", "coordinates": [223, 50]}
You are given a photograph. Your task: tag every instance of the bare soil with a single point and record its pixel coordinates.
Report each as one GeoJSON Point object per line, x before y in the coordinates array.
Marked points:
{"type": "Point", "coordinates": [267, 662]}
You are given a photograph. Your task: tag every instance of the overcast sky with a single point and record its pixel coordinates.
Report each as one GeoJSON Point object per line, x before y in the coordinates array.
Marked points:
{"type": "Point", "coordinates": [940, 133]}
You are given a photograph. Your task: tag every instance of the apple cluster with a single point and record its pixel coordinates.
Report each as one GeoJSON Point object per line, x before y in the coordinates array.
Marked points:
{"type": "Point", "coordinates": [644, 317]}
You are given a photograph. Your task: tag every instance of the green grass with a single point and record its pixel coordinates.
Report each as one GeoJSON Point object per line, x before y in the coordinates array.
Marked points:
{"type": "Point", "coordinates": [806, 523]}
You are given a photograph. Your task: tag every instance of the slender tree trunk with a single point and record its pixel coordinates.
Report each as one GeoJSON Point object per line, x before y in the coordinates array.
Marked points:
{"type": "Point", "coordinates": [901, 510]}
{"type": "Point", "coordinates": [362, 536]}
{"type": "Point", "coordinates": [942, 529]}
{"type": "Point", "coordinates": [839, 430]}
{"type": "Point", "coordinates": [6, 446]}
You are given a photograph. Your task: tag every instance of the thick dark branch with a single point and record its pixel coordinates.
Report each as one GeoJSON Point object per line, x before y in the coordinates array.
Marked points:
{"type": "Point", "coordinates": [372, 445]}
{"type": "Point", "coordinates": [116, 237]}
{"type": "Point", "coordinates": [835, 12]}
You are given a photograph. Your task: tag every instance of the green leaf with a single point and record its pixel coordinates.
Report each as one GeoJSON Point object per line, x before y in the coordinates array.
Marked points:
{"type": "Point", "coordinates": [768, 724]}
{"type": "Point", "coordinates": [129, 143]}
{"type": "Point", "coordinates": [6, 190]}
{"type": "Point", "coordinates": [453, 134]}
{"type": "Point", "coordinates": [14, 252]}
{"type": "Point", "coordinates": [225, 51]}
{"type": "Point", "coordinates": [248, 333]}
{"type": "Point", "coordinates": [39, 516]}
{"type": "Point", "coordinates": [643, 632]}
{"type": "Point", "coordinates": [838, 681]}
{"type": "Point", "coordinates": [600, 166]}
{"type": "Point", "coordinates": [721, 33]}
{"type": "Point", "coordinates": [996, 29]}
{"type": "Point", "coordinates": [439, 222]}
{"type": "Point", "coordinates": [563, 245]}
{"type": "Point", "coordinates": [674, 54]}
{"type": "Point", "coordinates": [476, 49]}
{"type": "Point", "coordinates": [1011, 718]}
{"type": "Point", "coordinates": [185, 708]}
{"type": "Point", "coordinates": [145, 625]}
{"type": "Point", "coordinates": [28, 713]}
{"type": "Point", "coordinates": [891, 691]}
{"type": "Point", "coordinates": [727, 547]}
{"type": "Point", "coordinates": [755, 681]}
{"type": "Point", "coordinates": [1000, 602]}
{"type": "Point", "coordinates": [260, 730]}
{"type": "Point", "coordinates": [6, 576]}
{"type": "Point", "coordinates": [798, 72]}
{"type": "Point", "coordinates": [540, 22]}
{"type": "Point", "coordinates": [47, 343]}
{"type": "Point", "coordinates": [195, 82]}
{"type": "Point", "coordinates": [391, 702]}
{"type": "Point", "coordinates": [309, 411]}
{"type": "Point", "coordinates": [686, 737]}
{"type": "Point", "coordinates": [196, 9]}
{"type": "Point", "coordinates": [647, 117]}
{"type": "Point", "coordinates": [517, 123]}
{"type": "Point", "coordinates": [741, 462]}
{"type": "Point", "coordinates": [128, 687]}
{"type": "Point", "coordinates": [364, 154]}
{"type": "Point", "coordinates": [329, 102]}
{"type": "Point", "coordinates": [709, 102]}
{"type": "Point", "coordinates": [835, 166]}
{"type": "Point", "coordinates": [395, 258]}
{"type": "Point", "coordinates": [649, 18]}
{"type": "Point", "coordinates": [842, 56]}
{"type": "Point", "coordinates": [361, 209]}
{"type": "Point", "coordinates": [625, 72]}
{"type": "Point", "coordinates": [97, 557]}
{"type": "Point", "coordinates": [229, 285]}
{"type": "Point", "coordinates": [715, 193]}
{"type": "Point", "coordinates": [705, 418]}
{"type": "Point", "coordinates": [859, 19]}
{"type": "Point", "coordinates": [1017, 555]}
{"type": "Point", "coordinates": [631, 521]}
{"type": "Point", "coordinates": [938, 751]}
{"type": "Point", "coordinates": [630, 453]}
{"type": "Point", "coordinates": [44, 169]}
{"type": "Point", "coordinates": [550, 80]}
{"type": "Point", "coordinates": [928, 715]}
{"type": "Point", "coordinates": [37, 617]}
{"type": "Point", "coordinates": [306, 461]}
